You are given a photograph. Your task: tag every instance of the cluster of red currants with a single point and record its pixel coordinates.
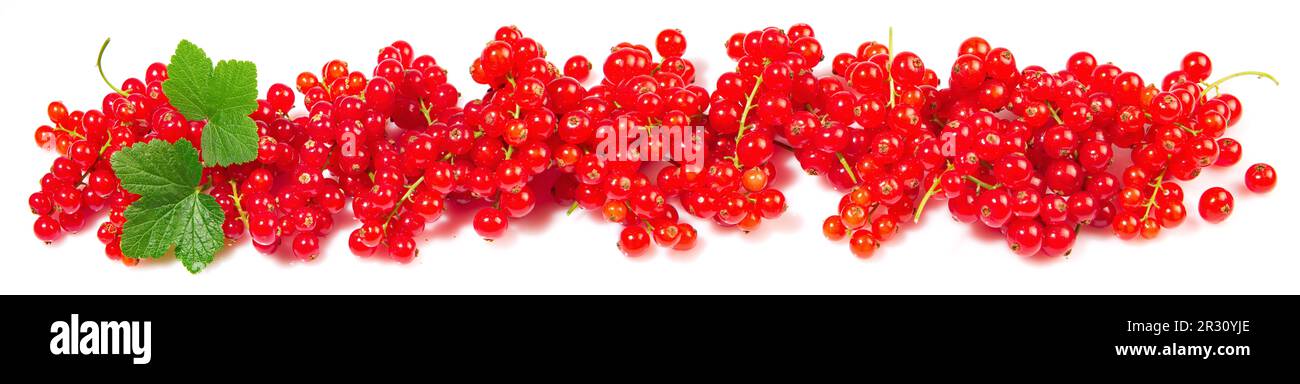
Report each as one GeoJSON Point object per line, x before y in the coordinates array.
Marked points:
{"type": "Point", "coordinates": [747, 112]}
{"type": "Point", "coordinates": [344, 147]}
{"type": "Point", "coordinates": [879, 121]}
{"type": "Point", "coordinates": [638, 98]}
{"type": "Point", "coordinates": [1031, 153]}
{"type": "Point", "coordinates": [1023, 151]}
{"type": "Point", "coordinates": [81, 182]}
{"type": "Point", "coordinates": [388, 140]}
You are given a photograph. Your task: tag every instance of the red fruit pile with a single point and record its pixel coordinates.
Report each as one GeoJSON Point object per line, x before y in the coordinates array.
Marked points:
{"type": "Point", "coordinates": [1031, 153]}
{"type": "Point", "coordinates": [1036, 155]}
{"type": "Point", "coordinates": [81, 182]}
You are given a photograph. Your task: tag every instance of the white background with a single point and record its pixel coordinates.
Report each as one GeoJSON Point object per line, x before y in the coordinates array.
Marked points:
{"type": "Point", "coordinates": [49, 54]}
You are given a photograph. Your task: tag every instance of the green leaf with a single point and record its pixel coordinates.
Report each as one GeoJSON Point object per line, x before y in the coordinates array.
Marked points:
{"type": "Point", "coordinates": [171, 210]}
{"type": "Point", "coordinates": [158, 169]}
{"type": "Point", "coordinates": [229, 140]}
{"type": "Point", "coordinates": [224, 96]}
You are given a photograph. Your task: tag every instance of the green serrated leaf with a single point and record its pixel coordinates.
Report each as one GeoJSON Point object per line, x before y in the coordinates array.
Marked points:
{"type": "Point", "coordinates": [158, 169]}
{"type": "Point", "coordinates": [192, 224]}
{"type": "Point", "coordinates": [224, 96]}
{"type": "Point", "coordinates": [187, 78]}
{"type": "Point", "coordinates": [229, 140]}
{"type": "Point", "coordinates": [233, 90]}
{"type": "Point", "coordinates": [171, 211]}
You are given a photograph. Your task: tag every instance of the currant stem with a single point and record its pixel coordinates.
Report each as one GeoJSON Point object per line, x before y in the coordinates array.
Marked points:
{"type": "Point", "coordinates": [99, 63]}
{"type": "Point", "coordinates": [572, 207]}
{"type": "Point", "coordinates": [1216, 83]}
{"type": "Point", "coordinates": [1160, 180]}
{"type": "Point", "coordinates": [934, 188]}
{"type": "Point", "coordinates": [86, 173]}
{"type": "Point", "coordinates": [73, 133]}
{"type": "Point", "coordinates": [889, 65]}
{"type": "Point", "coordinates": [1055, 116]}
{"type": "Point", "coordinates": [981, 183]}
{"type": "Point", "coordinates": [424, 110]}
{"type": "Point", "coordinates": [744, 115]}
{"type": "Point", "coordinates": [410, 190]}
{"type": "Point", "coordinates": [1193, 132]}
{"type": "Point", "coordinates": [234, 193]}
{"type": "Point", "coordinates": [844, 163]}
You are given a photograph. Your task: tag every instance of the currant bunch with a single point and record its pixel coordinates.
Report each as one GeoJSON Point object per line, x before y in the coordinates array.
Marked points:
{"type": "Point", "coordinates": [638, 97]}
{"type": "Point", "coordinates": [746, 114]}
{"type": "Point", "coordinates": [81, 184]}
{"type": "Point", "coordinates": [1035, 155]}
{"type": "Point", "coordinates": [382, 140]}
{"type": "Point", "coordinates": [873, 136]}
{"type": "Point", "coordinates": [512, 135]}
{"type": "Point", "coordinates": [1034, 151]}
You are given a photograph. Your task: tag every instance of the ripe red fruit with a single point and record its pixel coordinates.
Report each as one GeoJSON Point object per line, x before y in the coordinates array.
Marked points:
{"type": "Point", "coordinates": [1261, 178]}
{"type": "Point", "coordinates": [1229, 152]}
{"type": "Point", "coordinates": [495, 59]}
{"type": "Point", "coordinates": [490, 223]}
{"type": "Point", "coordinates": [577, 67]}
{"type": "Point", "coordinates": [833, 228]}
{"type": "Point", "coordinates": [1197, 66]}
{"type": "Point", "coordinates": [633, 241]}
{"type": "Point", "coordinates": [47, 229]}
{"type": "Point", "coordinates": [670, 43]}
{"type": "Point", "coordinates": [402, 248]}
{"type": "Point", "coordinates": [1025, 236]}
{"type": "Point", "coordinates": [1216, 204]}
{"type": "Point", "coordinates": [686, 238]}
{"type": "Point", "coordinates": [1058, 240]}
{"type": "Point", "coordinates": [306, 246]}
{"type": "Point", "coordinates": [863, 244]}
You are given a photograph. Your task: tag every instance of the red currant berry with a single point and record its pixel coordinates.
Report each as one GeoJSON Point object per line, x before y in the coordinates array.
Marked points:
{"type": "Point", "coordinates": [1025, 236]}
{"type": "Point", "coordinates": [1058, 240]}
{"type": "Point", "coordinates": [670, 43]}
{"type": "Point", "coordinates": [306, 246]}
{"type": "Point", "coordinates": [833, 228]}
{"type": "Point", "coordinates": [633, 241]}
{"type": "Point", "coordinates": [401, 247]}
{"type": "Point", "coordinates": [1261, 178]}
{"type": "Point", "coordinates": [1216, 204]}
{"type": "Point", "coordinates": [863, 244]}
{"type": "Point", "coordinates": [577, 67]}
{"type": "Point", "coordinates": [47, 229]}
{"type": "Point", "coordinates": [686, 238]}
{"type": "Point", "coordinates": [490, 223]}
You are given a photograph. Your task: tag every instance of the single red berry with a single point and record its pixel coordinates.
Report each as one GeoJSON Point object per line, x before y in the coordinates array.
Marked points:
{"type": "Point", "coordinates": [1125, 225]}
{"type": "Point", "coordinates": [1229, 152]}
{"type": "Point", "coordinates": [1197, 66]}
{"type": "Point", "coordinates": [401, 247]}
{"type": "Point", "coordinates": [670, 43]}
{"type": "Point", "coordinates": [490, 223]}
{"type": "Point", "coordinates": [1216, 204]}
{"type": "Point", "coordinates": [306, 246]}
{"type": "Point", "coordinates": [833, 228]}
{"type": "Point", "coordinates": [633, 241]}
{"type": "Point", "coordinates": [863, 244]}
{"type": "Point", "coordinates": [1058, 240]}
{"type": "Point", "coordinates": [1025, 236]}
{"type": "Point", "coordinates": [1261, 178]}
{"type": "Point", "coordinates": [686, 238]}
{"type": "Point", "coordinates": [577, 67]}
